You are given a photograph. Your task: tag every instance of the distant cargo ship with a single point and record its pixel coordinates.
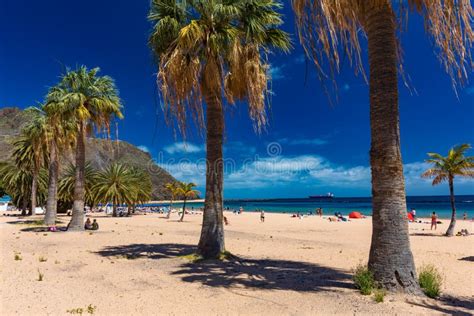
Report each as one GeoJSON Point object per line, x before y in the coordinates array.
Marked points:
{"type": "Point", "coordinates": [327, 196]}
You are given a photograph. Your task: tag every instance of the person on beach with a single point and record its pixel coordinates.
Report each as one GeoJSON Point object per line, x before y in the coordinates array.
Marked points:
{"type": "Point", "coordinates": [413, 213]}
{"type": "Point", "coordinates": [95, 225]}
{"type": "Point", "coordinates": [434, 220]}
{"type": "Point", "coordinates": [464, 216]}
{"type": "Point", "coordinates": [226, 221]}
{"type": "Point", "coordinates": [262, 216]}
{"type": "Point", "coordinates": [88, 224]}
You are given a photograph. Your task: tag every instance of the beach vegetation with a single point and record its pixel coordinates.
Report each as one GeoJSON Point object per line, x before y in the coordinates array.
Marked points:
{"type": "Point", "coordinates": [446, 168]}
{"type": "Point", "coordinates": [17, 256]}
{"type": "Point", "coordinates": [42, 259]}
{"type": "Point", "coordinates": [91, 102]}
{"type": "Point", "coordinates": [68, 180]}
{"type": "Point", "coordinates": [364, 279]}
{"type": "Point", "coordinates": [185, 191]}
{"type": "Point", "coordinates": [214, 53]}
{"type": "Point", "coordinates": [90, 309]}
{"type": "Point", "coordinates": [329, 28]}
{"type": "Point", "coordinates": [40, 276]}
{"type": "Point", "coordinates": [430, 280]}
{"type": "Point", "coordinates": [379, 295]}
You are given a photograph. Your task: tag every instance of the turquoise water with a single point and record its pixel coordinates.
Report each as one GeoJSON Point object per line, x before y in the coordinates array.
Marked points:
{"type": "Point", "coordinates": [424, 205]}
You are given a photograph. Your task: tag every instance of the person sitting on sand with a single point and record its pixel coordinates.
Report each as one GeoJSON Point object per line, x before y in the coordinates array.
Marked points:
{"type": "Point", "coordinates": [262, 216]}
{"type": "Point", "coordinates": [88, 224]}
{"type": "Point", "coordinates": [434, 220]}
{"type": "Point", "coordinates": [95, 225]}
{"type": "Point", "coordinates": [226, 222]}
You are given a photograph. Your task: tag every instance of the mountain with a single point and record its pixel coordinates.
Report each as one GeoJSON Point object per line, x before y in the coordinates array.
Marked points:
{"type": "Point", "coordinates": [100, 152]}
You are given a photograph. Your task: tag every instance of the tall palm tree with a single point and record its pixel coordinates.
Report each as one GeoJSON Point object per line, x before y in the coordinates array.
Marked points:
{"type": "Point", "coordinates": [115, 184]}
{"type": "Point", "coordinates": [186, 190]}
{"type": "Point", "coordinates": [61, 130]}
{"type": "Point", "coordinates": [91, 101]}
{"type": "Point", "coordinates": [446, 169]}
{"type": "Point", "coordinates": [214, 51]}
{"type": "Point", "coordinates": [327, 28]}
{"type": "Point", "coordinates": [173, 189]}
{"type": "Point", "coordinates": [30, 150]}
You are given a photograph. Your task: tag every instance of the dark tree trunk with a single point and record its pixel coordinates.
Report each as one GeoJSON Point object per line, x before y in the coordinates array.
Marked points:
{"type": "Point", "coordinates": [114, 208]}
{"type": "Point", "coordinates": [450, 231]}
{"type": "Point", "coordinates": [184, 210]}
{"type": "Point", "coordinates": [34, 190]}
{"type": "Point", "coordinates": [211, 243]}
{"type": "Point", "coordinates": [24, 205]}
{"type": "Point", "coordinates": [77, 220]}
{"type": "Point", "coordinates": [169, 211]}
{"type": "Point", "coordinates": [52, 202]}
{"type": "Point", "coordinates": [390, 259]}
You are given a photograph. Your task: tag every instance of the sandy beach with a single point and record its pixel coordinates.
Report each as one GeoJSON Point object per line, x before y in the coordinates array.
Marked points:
{"type": "Point", "coordinates": [285, 266]}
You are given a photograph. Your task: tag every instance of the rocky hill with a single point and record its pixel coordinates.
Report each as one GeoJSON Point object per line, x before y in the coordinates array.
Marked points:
{"type": "Point", "coordinates": [100, 152]}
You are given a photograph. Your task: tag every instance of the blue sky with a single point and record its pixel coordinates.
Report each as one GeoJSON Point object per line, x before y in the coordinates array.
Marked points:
{"type": "Point", "coordinates": [310, 147]}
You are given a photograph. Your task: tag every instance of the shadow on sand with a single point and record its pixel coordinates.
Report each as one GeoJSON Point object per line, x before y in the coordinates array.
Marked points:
{"type": "Point", "coordinates": [470, 258]}
{"type": "Point", "coordinates": [451, 305]}
{"type": "Point", "coordinates": [240, 272]}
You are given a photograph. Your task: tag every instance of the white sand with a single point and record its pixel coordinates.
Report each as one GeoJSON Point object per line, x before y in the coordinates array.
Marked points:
{"type": "Point", "coordinates": [287, 266]}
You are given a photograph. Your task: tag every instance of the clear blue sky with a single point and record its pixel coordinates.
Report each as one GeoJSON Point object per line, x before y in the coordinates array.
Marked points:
{"type": "Point", "coordinates": [319, 147]}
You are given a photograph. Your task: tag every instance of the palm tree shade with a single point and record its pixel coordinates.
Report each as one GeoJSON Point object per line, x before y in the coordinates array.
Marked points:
{"type": "Point", "coordinates": [455, 164]}
{"type": "Point", "coordinates": [214, 51]}
{"type": "Point", "coordinates": [326, 28]}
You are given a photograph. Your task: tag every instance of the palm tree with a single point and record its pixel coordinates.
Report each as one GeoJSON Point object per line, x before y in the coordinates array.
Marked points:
{"type": "Point", "coordinates": [68, 180]}
{"type": "Point", "coordinates": [30, 150]}
{"type": "Point", "coordinates": [328, 27]}
{"type": "Point", "coordinates": [446, 169]}
{"type": "Point", "coordinates": [141, 186]}
{"type": "Point", "coordinates": [90, 101]}
{"type": "Point", "coordinates": [173, 189]}
{"type": "Point", "coordinates": [214, 51]}
{"type": "Point", "coordinates": [115, 184]}
{"type": "Point", "coordinates": [17, 183]}
{"type": "Point", "coordinates": [185, 190]}
{"type": "Point", "coordinates": [61, 137]}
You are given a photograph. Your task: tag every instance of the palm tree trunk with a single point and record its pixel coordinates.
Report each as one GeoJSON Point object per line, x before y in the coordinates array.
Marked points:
{"type": "Point", "coordinates": [34, 190]}
{"type": "Point", "coordinates": [24, 205]}
{"type": "Point", "coordinates": [184, 210]}
{"type": "Point", "coordinates": [52, 202]}
{"type": "Point", "coordinates": [450, 231]}
{"type": "Point", "coordinates": [391, 259]}
{"type": "Point", "coordinates": [77, 220]}
{"type": "Point", "coordinates": [114, 208]}
{"type": "Point", "coordinates": [211, 243]}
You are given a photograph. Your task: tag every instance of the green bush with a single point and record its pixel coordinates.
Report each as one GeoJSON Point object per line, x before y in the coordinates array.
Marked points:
{"type": "Point", "coordinates": [430, 280]}
{"type": "Point", "coordinates": [364, 279]}
{"type": "Point", "coordinates": [379, 295]}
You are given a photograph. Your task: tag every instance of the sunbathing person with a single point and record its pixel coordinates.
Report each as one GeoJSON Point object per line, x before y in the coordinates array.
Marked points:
{"type": "Point", "coordinates": [88, 224]}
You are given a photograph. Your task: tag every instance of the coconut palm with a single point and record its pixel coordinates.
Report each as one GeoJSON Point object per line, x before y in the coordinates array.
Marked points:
{"type": "Point", "coordinates": [68, 180]}
{"type": "Point", "coordinates": [91, 101]}
{"type": "Point", "coordinates": [214, 51]}
{"type": "Point", "coordinates": [327, 28]}
{"type": "Point", "coordinates": [61, 130]}
{"type": "Point", "coordinates": [115, 184]}
{"type": "Point", "coordinates": [173, 190]}
{"type": "Point", "coordinates": [455, 164]}
{"type": "Point", "coordinates": [30, 149]}
{"type": "Point", "coordinates": [186, 191]}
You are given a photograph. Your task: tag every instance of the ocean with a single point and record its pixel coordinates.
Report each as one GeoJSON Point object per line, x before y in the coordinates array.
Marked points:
{"type": "Point", "coordinates": [424, 205]}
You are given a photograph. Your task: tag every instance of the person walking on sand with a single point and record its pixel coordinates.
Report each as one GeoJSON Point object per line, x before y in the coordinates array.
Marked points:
{"type": "Point", "coordinates": [464, 216]}
{"type": "Point", "coordinates": [413, 213]}
{"type": "Point", "coordinates": [262, 216]}
{"type": "Point", "coordinates": [434, 220]}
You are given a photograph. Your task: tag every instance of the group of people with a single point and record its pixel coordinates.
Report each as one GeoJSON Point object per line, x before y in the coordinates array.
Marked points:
{"type": "Point", "coordinates": [88, 225]}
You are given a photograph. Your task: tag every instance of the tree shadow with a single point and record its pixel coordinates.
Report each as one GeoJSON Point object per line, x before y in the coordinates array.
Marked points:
{"type": "Point", "coordinates": [451, 305]}
{"type": "Point", "coordinates": [241, 272]}
{"type": "Point", "coordinates": [470, 258]}
{"type": "Point", "coordinates": [427, 235]}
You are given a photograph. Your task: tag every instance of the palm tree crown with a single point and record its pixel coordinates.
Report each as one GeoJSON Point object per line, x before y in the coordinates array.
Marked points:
{"type": "Point", "coordinates": [454, 164]}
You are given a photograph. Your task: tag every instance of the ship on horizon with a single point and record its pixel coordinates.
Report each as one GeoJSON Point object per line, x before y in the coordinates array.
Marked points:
{"type": "Point", "coordinates": [328, 195]}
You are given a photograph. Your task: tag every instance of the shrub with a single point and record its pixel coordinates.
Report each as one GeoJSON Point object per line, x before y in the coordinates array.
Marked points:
{"type": "Point", "coordinates": [379, 295]}
{"type": "Point", "coordinates": [18, 256]}
{"type": "Point", "coordinates": [430, 280]}
{"type": "Point", "coordinates": [42, 259]}
{"type": "Point", "coordinates": [364, 279]}
{"type": "Point", "coordinates": [40, 275]}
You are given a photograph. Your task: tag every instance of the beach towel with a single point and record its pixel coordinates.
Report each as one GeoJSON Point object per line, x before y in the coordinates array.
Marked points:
{"type": "Point", "coordinates": [355, 215]}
